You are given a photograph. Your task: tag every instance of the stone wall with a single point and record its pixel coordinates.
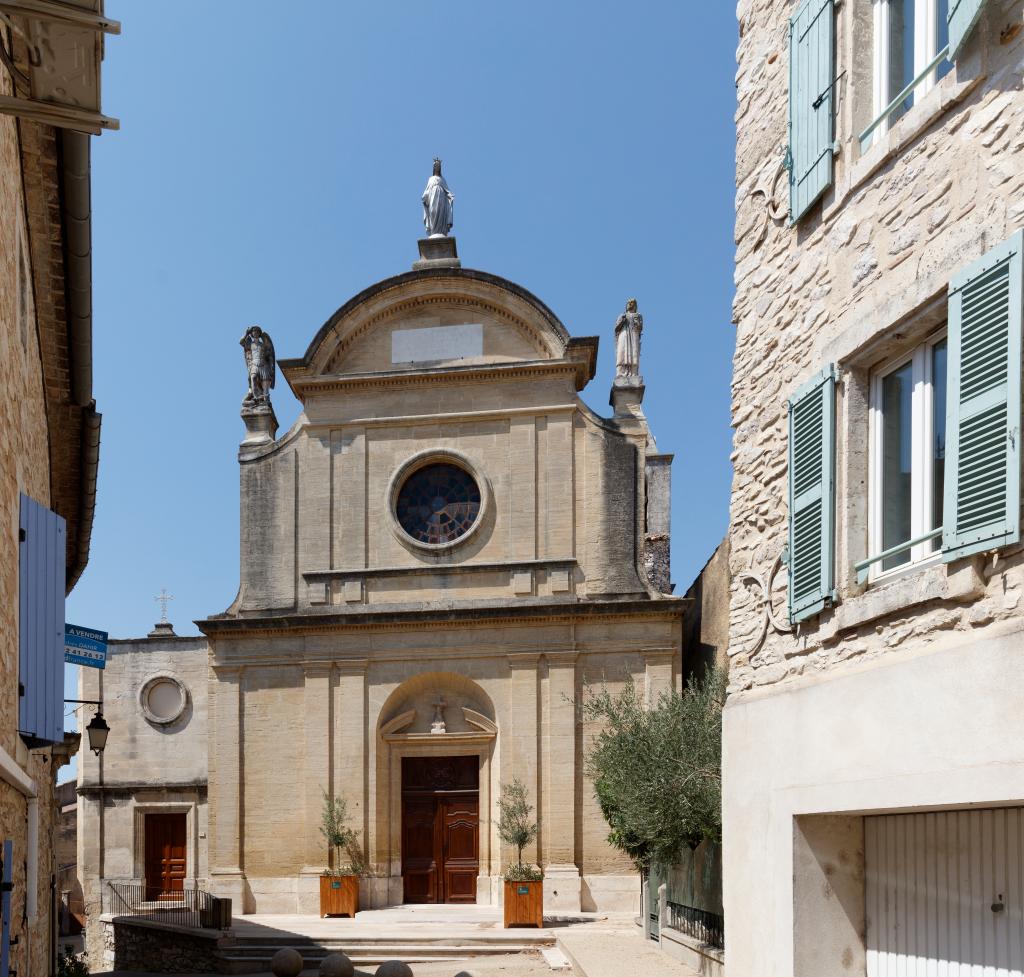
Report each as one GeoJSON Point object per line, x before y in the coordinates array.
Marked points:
{"type": "Point", "coordinates": [706, 618]}
{"type": "Point", "coordinates": [24, 468]}
{"type": "Point", "coordinates": [144, 947]}
{"type": "Point", "coordinates": [148, 766]}
{"type": "Point", "coordinates": [859, 278]}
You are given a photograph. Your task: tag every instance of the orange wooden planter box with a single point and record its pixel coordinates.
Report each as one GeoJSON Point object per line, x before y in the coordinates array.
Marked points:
{"type": "Point", "coordinates": [524, 904]}
{"type": "Point", "coordinates": [339, 895]}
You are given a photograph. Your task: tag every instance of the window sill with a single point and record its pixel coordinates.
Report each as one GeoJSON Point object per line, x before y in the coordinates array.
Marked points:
{"type": "Point", "coordinates": [951, 90]}
{"type": "Point", "coordinates": [906, 570]}
{"type": "Point", "coordinates": [959, 581]}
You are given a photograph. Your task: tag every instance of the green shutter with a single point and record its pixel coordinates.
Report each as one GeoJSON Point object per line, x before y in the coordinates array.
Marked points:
{"type": "Point", "coordinates": [811, 76]}
{"type": "Point", "coordinates": [981, 503]}
{"type": "Point", "coordinates": [963, 15]}
{"type": "Point", "coordinates": [811, 496]}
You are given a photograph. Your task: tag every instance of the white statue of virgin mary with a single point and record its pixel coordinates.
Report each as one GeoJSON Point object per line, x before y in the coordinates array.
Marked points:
{"type": "Point", "coordinates": [438, 203]}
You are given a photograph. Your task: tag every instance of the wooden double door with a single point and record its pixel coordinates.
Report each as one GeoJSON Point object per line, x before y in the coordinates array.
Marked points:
{"type": "Point", "coordinates": [166, 855]}
{"type": "Point", "coordinates": [440, 828]}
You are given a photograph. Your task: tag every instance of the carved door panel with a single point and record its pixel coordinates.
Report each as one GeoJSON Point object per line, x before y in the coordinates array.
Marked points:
{"type": "Point", "coordinates": [166, 855]}
{"type": "Point", "coordinates": [460, 847]}
{"type": "Point", "coordinates": [419, 866]}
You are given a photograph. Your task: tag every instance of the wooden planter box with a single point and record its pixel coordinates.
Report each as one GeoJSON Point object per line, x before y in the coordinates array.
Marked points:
{"type": "Point", "coordinates": [339, 895]}
{"type": "Point", "coordinates": [524, 904]}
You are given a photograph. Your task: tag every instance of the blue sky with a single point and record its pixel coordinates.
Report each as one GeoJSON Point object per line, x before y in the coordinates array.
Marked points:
{"type": "Point", "coordinates": [269, 166]}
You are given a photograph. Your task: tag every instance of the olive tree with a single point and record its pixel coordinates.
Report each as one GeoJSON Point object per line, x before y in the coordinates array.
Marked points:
{"type": "Point", "coordinates": [657, 768]}
{"type": "Point", "coordinates": [517, 828]}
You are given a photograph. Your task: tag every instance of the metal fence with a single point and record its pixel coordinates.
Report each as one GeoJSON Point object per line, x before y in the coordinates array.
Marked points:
{"type": "Point", "coordinates": [697, 923]}
{"type": "Point", "coordinates": [191, 907]}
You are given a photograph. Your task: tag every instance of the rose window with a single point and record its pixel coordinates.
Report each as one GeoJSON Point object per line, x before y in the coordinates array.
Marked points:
{"type": "Point", "coordinates": [438, 503]}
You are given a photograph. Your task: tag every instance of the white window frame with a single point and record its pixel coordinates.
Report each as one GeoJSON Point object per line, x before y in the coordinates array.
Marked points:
{"type": "Point", "coordinates": [926, 46]}
{"type": "Point", "coordinates": [922, 501]}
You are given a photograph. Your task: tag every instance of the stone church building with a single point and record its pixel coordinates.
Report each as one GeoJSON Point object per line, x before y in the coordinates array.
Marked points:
{"type": "Point", "coordinates": [446, 546]}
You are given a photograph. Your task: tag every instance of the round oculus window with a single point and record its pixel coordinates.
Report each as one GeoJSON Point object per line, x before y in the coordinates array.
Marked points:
{"type": "Point", "coordinates": [438, 504]}
{"type": "Point", "coordinates": [163, 699]}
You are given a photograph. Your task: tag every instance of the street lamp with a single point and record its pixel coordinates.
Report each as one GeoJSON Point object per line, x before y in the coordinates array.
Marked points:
{"type": "Point", "coordinates": [97, 730]}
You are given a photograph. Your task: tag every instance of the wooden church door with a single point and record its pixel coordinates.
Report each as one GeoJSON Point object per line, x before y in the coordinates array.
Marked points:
{"type": "Point", "coordinates": [165, 855]}
{"type": "Point", "coordinates": [440, 829]}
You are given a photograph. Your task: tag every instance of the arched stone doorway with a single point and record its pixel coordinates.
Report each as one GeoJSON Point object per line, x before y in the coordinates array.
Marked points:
{"type": "Point", "coordinates": [436, 770]}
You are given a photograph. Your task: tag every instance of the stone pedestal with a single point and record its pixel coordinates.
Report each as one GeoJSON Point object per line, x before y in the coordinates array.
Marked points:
{"type": "Point", "coordinates": [561, 889]}
{"type": "Point", "coordinates": [260, 423]}
{"type": "Point", "coordinates": [627, 396]}
{"type": "Point", "coordinates": [437, 252]}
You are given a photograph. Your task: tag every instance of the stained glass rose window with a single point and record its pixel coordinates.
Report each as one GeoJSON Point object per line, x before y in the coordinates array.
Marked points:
{"type": "Point", "coordinates": [438, 503]}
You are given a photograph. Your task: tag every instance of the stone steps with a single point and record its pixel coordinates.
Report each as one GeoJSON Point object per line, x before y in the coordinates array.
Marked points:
{"type": "Point", "coordinates": [253, 955]}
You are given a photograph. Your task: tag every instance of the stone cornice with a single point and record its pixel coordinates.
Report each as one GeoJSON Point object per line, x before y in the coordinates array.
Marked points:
{"type": "Point", "coordinates": [432, 569]}
{"type": "Point", "coordinates": [133, 787]}
{"type": "Point", "coordinates": [303, 384]}
{"type": "Point", "coordinates": [330, 621]}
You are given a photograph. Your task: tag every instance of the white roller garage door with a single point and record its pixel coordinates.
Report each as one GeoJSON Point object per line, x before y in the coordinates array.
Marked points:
{"type": "Point", "coordinates": [944, 894]}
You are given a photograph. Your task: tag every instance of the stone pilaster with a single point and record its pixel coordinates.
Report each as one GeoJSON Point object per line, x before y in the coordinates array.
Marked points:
{"type": "Point", "coordinates": [521, 738]}
{"type": "Point", "coordinates": [349, 742]}
{"type": "Point", "coordinates": [659, 672]}
{"type": "Point", "coordinates": [227, 876]}
{"type": "Point", "coordinates": [558, 825]}
{"type": "Point", "coordinates": [317, 720]}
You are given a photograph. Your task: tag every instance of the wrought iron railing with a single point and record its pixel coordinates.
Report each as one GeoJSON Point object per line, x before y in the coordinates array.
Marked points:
{"type": "Point", "coordinates": [697, 923]}
{"type": "Point", "coordinates": [190, 907]}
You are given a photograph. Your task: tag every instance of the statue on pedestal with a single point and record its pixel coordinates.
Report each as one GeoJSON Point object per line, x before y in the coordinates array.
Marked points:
{"type": "Point", "coordinates": [627, 344]}
{"type": "Point", "coordinates": [438, 204]}
{"type": "Point", "coordinates": [260, 365]}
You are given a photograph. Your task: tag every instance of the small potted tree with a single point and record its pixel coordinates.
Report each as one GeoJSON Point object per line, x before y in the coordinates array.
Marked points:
{"type": "Point", "coordinates": [339, 884]}
{"type": "Point", "coordinates": [524, 884]}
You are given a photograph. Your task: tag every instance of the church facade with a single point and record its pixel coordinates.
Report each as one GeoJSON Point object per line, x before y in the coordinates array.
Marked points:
{"type": "Point", "coordinates": [436, 559]}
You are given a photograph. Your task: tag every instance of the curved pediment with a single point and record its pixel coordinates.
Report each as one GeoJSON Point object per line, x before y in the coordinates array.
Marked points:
{"type": "Point", "coordinates": [434, 319]}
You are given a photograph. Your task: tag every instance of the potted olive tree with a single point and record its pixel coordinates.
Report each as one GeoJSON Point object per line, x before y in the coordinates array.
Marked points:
{"type": "Point", "coordinates": [524, 884]}
{"type": "Point", "coordinates": [339, 884]}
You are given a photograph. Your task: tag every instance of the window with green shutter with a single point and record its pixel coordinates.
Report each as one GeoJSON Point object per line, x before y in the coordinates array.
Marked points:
{"type": "Point", "coordinates": [811, 89]}
{"type": "Point", "coordinates": [812, 496]}
{"type": "Point", "coordinates": [981, 510]}
{"type": "Point", "coordinates": [963, 15]}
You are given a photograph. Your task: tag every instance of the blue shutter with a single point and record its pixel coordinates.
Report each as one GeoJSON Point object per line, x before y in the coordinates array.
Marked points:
{"type": "Point", "coordinates": [41, 624]}
{"type": "Point", "coordinates": [963, 15]}
{"type": "Point", "coordinates": [981, 503]}
{"type": "Point", "coordinates": [812, 496]}
{"type": "Point", "coordinates": [811, 74]}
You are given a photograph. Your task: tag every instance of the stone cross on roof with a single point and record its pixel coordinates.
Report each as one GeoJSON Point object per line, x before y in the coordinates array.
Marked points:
{"type": "Point", "coordinates": [163, 598]}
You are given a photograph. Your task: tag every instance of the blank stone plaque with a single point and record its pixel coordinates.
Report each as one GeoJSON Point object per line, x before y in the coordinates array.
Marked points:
{"type": "Point", "coordinates": [434, 343]}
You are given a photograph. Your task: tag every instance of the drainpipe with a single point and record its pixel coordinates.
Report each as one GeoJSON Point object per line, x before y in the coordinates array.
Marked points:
{"type": "Point", "coordinates": [77, 224]}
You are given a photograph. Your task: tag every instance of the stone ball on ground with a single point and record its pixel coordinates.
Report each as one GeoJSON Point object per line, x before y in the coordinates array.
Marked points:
{"type": "Point", "coordinates": [336, 965]}
{"type": "Point", "coordinates": [394, 968]}
{"type": "Point", "coordinates": [465, 973]}
{"type": "Point", "coordinates": [286, 963]}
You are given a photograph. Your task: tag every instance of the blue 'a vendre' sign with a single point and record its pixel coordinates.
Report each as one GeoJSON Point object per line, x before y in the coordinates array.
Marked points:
{"type": "Point", "coordinates": [84, 646]}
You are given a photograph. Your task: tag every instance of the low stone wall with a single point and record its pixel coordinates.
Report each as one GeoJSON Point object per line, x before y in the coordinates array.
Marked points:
{"type": "Point", "coordinates": [707, 960]}
{"type": "Point", "coordinates": [143, 945]}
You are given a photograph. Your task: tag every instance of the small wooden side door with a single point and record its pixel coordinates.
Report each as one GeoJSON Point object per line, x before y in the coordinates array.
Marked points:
{"type": "Point", "coordinates": [166, 855]}
{"type": "Point", "coordinates": [460, 847]}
